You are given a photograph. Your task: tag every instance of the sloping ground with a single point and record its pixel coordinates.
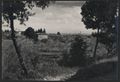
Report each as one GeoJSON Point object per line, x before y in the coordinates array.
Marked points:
{"type": "Point", "coordinates": [103, 71]}
{"type": "Point", "coordinates": [46, 67]}
{"type": "Point", "coordinates": [40, 65]}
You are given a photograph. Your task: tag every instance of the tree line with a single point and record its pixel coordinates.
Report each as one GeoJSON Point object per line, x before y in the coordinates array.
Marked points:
{"type": "Point", "coordinates": [41, 30]}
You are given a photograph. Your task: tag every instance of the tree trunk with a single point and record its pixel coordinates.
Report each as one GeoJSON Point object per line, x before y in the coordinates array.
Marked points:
{"type": "Point", "coordinates": [97, 41]}
{"type": "Point", "coordinates": [15, 45]}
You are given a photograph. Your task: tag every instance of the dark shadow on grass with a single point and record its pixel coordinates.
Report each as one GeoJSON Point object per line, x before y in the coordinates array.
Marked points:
{"type": "Point", "coordinates": [95, 71]}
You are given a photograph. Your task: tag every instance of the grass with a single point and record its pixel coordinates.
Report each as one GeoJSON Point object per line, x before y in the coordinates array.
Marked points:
{"type": "Point", "coordinates": [100, 70]}
{"type": "Point", "coordinates": [38, 65]}
{"type": "Point", "coordinates": [37, 60]}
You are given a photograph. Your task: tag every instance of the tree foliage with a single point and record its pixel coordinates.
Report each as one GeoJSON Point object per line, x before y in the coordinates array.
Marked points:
{"type": "Point", "coordinates": [58, 33]}
{"type": "Point", "coordinates": [78, 52]}
{"type": "Point", "coordinates": [30, 33]}
{"type": "Point", "coordinates": [19, 9]}
{"type": "Point", "coordinates": [100, 15]}
{"type": "Point", "coordinates": [41, 30]}
{"type": "Point", "coordinates": [44, 31]}
{"type": "Point", "coordinates": [77, 55]}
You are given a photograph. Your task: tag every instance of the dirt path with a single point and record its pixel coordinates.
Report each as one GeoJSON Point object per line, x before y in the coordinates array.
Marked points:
{"type": "Point", "coordinates": [61, 77]}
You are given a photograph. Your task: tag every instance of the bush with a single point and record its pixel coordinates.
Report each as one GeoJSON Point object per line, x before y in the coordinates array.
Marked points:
{"type": "Point", "coordinates": [44, 40]}
{"type": "Point", "coordinates": [30, 33]}
{"type": "Point", "coordinates": [58, 33]}
{"type": "Point", "coordinates": [35, 38]}
{"type": "Point", "coordinates": [77, 55]}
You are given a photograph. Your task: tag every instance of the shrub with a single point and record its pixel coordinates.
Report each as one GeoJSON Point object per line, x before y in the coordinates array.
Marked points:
{"type": "Point", "coordinates": [30, 33]}
{"type": "Point", "coordinates": [77, 55]}
{"type": "Point", "coordinates": [58, 33]}
{"type": "Point", "coordinates": [35, 38]}
{"type": "Point", "coordinates": [44, 40]}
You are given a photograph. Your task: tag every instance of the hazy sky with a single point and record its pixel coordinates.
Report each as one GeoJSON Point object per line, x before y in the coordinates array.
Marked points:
{"type": "Point", "coordinates": [63, 16]}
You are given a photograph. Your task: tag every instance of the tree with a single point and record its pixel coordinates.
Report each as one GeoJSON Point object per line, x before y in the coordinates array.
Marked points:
{"type": "Point", "coordinates": [77, 55]}
{"type": "Point", "coordinates": [7, 31]}
{"type": "Point", "coordinates": [58, 33]}
{"type": "Point", "coordinates": [44, 31]}
{"type": "Point", "coordinates": [99, 15]}
{"type": "Point", "coordinates": [29, 33]}
{"type": "Point", "coordinates": [18, 9]}
{"type": "Point", "coordinates": [35, 37]}
{"type": "Point", "coordinates": [108, 40]}
{"type": "Point", "coordinates": [39, 30]}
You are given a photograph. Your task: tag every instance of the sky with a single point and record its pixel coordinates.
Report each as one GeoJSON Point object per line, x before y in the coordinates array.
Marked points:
{"type": "Point", "coordinates": [63, 17]}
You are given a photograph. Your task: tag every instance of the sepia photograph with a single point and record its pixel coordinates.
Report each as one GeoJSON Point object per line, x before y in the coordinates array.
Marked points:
{"type": "Point", "coordinates": [51, 40]}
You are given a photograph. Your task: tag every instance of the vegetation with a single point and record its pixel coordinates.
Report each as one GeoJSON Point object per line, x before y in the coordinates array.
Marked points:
{"type": "Point", "coordinates": [44, 31]}
{"type": "Point", "coordinates": [41, 59]}
{"type": "Point", "coordinates": [30, 33]}
{"type": "Point", "coordinates": [109, 41]}
{"type": "Point", "coordinates": [41, 31]}
{"type": "Point", "coordinates": [77, 55]}
{"type": "Point", "coordinates": [97, 71]}
{"type": "Point", "coordinates": [17, 9]}
{"type": "Point", "coordinates": [58, 33]}
{"type": "Point", "coordinates": [26, 60]}
{"type": "Point", "coordinates": [99, 15]}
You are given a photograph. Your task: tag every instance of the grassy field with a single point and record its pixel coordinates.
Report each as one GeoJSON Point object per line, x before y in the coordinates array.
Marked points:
{"type": "Point", "coordinates": [41, 58]}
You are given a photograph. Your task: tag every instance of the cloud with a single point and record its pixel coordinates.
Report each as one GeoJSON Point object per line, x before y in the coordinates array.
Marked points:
{"type": "Point", "coordinates": [64, 17]}
{"type": "Point", "coordinates": [70, 3]}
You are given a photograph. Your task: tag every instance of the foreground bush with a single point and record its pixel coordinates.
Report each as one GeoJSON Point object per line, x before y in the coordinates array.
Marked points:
{"type": "Point", "coordinates": [77, 55]}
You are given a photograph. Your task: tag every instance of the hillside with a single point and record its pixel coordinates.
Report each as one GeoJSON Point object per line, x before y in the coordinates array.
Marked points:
{"type": "Point", "coordinates": [41, 58]}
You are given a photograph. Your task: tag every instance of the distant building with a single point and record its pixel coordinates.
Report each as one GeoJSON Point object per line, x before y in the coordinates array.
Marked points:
{"type": "Point", "coordinates": [18, 33]}
{"type": "Point", "coordinates": [42, 36]}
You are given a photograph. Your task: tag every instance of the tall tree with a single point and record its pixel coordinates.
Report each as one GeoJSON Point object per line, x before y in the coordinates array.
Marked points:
{"type": "Point", "coordinates": [58, 33]}
{"type": "Point", "coordinates": [29, 33]}
{"type": "Point", "coordinates": [99, 15]}
{"type": "Point", "coordinates": [44, 31]}
{"type": "Point", "coordinates": [40, 30]}
{"type": "Point", "coordinates": [19, 9]}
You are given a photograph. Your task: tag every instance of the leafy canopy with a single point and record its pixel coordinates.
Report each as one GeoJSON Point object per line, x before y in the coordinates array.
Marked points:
{"type": "Point", "coordinates": [20, 8]}
{"type": "Point", "coordinates": [99, 14]}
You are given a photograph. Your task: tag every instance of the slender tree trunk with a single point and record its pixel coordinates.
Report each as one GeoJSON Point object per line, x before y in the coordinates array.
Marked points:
{"type": "Point", "coordinates": [15, 45]}
{"type": "Point", "coordinates": [96, 45]}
